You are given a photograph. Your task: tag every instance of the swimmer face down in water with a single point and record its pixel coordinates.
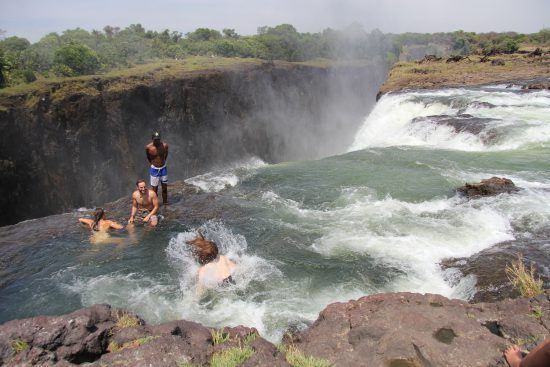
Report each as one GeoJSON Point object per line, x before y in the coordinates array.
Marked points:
{"type": "Point", "coordinates": [215, 270]}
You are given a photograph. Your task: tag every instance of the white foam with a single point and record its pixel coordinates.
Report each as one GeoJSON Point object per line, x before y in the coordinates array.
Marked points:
{"type": "Point", "coordinates": [520, 120]}
{"type": "Point", "coordinates": [229, 176]}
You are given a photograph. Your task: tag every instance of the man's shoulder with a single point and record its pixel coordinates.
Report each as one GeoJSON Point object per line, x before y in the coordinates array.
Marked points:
{"type": "Point", "coordinates": [148, 146]}
{"type": "Point", "coordinates": [135, 193]}
{"type": "Point", "coordinates": [152, 193]}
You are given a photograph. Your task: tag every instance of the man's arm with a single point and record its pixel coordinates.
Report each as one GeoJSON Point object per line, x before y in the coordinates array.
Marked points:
{"type": "Point", "coordinates": [166, 152]}
{"type": "Point", "coordinates": [134, 210]}
{"type": "Point", "coordinates": [155, 201]}
{"type": "Point", "coordinates": [149, 156]}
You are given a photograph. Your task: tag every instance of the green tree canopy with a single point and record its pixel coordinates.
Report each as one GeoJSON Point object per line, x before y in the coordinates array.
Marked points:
{"type": "Point", "coordinates": [76, 59]}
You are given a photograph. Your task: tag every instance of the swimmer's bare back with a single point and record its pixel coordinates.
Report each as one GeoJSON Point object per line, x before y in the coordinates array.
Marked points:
{"type": "Point", "coordinates": [103, 224]}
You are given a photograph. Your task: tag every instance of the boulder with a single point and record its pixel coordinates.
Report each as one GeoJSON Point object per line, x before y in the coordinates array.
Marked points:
{"type": "Point", "coordinates": [407, 329]}
{"type": "Point", "coordinates": [488, 187]}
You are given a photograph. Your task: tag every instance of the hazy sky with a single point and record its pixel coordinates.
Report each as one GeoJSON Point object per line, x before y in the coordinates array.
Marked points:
{"type": "Point", "coordinates": [34, 18]}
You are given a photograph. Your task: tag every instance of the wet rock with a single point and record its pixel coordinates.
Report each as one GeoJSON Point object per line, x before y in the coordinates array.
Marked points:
{"type": "Point", "coordinates": [406, 329]}
{"type": "Point", "coordinates": [489, 266]}
{"type": "Point", "coordinates": [464, 123]}
{"type": "Point", "coordinates": [488, 187]}
{"type": "Point", "coordinates": [77, 337]}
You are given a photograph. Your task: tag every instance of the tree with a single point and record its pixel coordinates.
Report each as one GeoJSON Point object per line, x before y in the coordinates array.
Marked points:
{"type": "Point", "coordinates": [204, 34]}
{"type": "Point", "coordinates": [76, 59]}
{"type": "Point", "coordinates": [230, 33]}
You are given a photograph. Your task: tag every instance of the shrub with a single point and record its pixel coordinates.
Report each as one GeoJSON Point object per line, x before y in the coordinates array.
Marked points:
{"type": "Point", "coordinates": [524, 279]}
{"type": "Point", "coordinates": [218, 336]}
{"type": "Point", "coordinates": [77, 57]}
{"type": "Point", "coordinates": [125, 320]}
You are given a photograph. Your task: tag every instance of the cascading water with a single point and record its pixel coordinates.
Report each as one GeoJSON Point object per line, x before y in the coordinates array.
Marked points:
{"type": "Point", "coordinates": [304, 234]}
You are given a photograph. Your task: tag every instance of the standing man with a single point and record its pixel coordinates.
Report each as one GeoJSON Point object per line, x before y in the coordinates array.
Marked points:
{"type": "Point", "coordinates": [145, 205]}
{"type": "Point", "coordinates": [157, 152]}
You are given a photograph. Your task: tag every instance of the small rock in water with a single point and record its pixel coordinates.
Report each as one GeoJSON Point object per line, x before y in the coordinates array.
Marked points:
{"type": "Point", "coordinates": [488, 187]}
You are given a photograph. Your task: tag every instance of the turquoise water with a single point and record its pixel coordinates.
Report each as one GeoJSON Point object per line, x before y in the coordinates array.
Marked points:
{"type": "Point", "coordinates": [304, 234]}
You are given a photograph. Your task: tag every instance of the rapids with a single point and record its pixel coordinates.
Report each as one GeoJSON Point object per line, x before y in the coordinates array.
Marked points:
{"type": "Point", "coordinates": [378, 218]}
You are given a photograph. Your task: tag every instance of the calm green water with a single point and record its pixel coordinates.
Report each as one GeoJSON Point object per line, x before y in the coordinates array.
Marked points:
{"type": "Point", "coordinates": [304, 234]}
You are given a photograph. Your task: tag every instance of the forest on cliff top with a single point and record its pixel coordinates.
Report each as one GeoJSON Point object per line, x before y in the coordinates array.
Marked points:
{"type": "Point", "coordinates": [80, 52]}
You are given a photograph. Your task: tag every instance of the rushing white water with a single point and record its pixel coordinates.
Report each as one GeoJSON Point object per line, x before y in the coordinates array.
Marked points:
{"type": "Point", "coordinates": [305, 234]}
{"type": "Point", "coordinates": [518, 120]}
{"type": "Point", "coordinates": [219, 179]}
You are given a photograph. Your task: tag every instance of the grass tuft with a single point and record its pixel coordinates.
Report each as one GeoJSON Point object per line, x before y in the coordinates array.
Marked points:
{"type": "Point", "coordinates": [19, 346]}
{"type": "Point", "coordinates": [297, 358]}
{"type": "Point", "coordinates": [524, 279]}
{"type": "Point", "coordinates": [125, 320]}
{"type": "Point", "coordinates": [537, 313]}
{"type": "Point", "coordinates": [115, 347]}
{"type": "Point", "coordinates": [231, 357]}
{"type": "Point", "coordinates": [250, 338]}
{"type": "Point", "coordinates": [218, 336]}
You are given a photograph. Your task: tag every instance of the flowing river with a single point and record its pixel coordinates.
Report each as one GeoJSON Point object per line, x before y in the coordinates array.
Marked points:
{"type": "Point", "coordinates": [377, 218]}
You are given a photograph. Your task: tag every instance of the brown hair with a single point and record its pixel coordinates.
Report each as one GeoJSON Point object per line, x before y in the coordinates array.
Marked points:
{"type": "Point", "coordinates": [205, 250]}
{"type": "Point", "coordinates": [139, 181]}
{"type": "Point", "coordinates": [98, 214]}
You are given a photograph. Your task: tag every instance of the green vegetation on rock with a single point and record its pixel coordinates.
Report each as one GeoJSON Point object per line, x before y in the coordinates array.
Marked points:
{"type": "Point", "coordinates": [231, 357]}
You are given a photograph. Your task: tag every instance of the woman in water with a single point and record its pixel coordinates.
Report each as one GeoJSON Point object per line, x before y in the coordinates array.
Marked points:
{"type": "Point", "coordinates": [215, 270]}
{"type": "Point", "coordinates": [100, 226]}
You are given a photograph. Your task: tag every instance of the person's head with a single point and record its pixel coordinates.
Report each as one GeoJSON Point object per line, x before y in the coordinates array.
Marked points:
{"type": "Point", "coordinates": [141, 186]}
{"type": "Point", "coordinates": [155, 137]}
{"type": "Point", "coordinates": [98, 214]}
{"type": "Point", "coordinates": [205, 250]}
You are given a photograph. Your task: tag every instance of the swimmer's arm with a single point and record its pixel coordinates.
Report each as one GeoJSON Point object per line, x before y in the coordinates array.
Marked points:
{"type": "Point", "coordinates": [134, 210]}
{"type": "Point", "coordinates": [166, 151]}
{"type": "Point", "coordinates": [115, 225]}
{"type": "Point", "coordinates": [86, 221]}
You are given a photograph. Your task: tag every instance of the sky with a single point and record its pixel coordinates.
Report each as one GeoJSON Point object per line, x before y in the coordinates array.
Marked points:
{"type": "Point", "coordinates": [33, 19]}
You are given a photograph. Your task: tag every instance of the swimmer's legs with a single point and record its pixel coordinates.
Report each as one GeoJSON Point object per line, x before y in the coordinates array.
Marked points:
{"type": "Point", "coordinates": [513, 356]}
{"type": "Point", "coordinates": [164, 193]}
{"type": "Point", "coordinates": [538, 357]}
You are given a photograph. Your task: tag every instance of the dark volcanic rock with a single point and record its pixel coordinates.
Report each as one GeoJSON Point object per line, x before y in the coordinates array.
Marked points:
{"type": "Point", "coordinates": [488, 187]}
{"type": "Point", "coordinates": [406, 329]}
{"type": "Point", "coordinates": [91, 335]}
{"type": "Point", "coordinates": [84, 149]}
{"type": "Point", "coordinates": [394, 329]}
{"type": "Point", "coordinates": [464, 123]}
{"type": "Point", "coordinates": [78, 337]}
{"type": "Point", "coordinates": [489, 266]}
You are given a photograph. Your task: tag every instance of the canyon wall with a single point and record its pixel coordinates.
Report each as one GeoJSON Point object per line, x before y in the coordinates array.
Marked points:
{"type": "Point", "coordinates": [84, 149]}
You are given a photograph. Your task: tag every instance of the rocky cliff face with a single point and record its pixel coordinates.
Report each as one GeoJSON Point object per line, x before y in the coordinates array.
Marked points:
{"type": "Point", "coordinates": [87, 148]}
{"type": "Point", "coordinates": [394, 329]}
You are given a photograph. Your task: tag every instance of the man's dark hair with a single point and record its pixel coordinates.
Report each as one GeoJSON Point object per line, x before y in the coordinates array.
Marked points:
{"type": "Point", "coordinates": [140, 181]}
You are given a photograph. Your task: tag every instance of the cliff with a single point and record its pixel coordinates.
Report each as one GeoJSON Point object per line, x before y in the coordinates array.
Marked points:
{"type": "Point", "coordinates": [433, 73]}
{"type": "Point", "coordinates": [394, 329]}
{"type": "Point", "coordinates": [79, 141]}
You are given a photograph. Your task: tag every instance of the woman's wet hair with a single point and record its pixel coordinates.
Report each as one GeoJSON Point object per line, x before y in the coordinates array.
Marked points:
{"type": "Point", "coordinates": [205, 250]}
{"type": "Point", "coordinates": [98, 214]}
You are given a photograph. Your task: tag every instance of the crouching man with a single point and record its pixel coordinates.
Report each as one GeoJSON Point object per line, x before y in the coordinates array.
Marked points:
{"type": "Point", "coordinates": [145, 205]}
